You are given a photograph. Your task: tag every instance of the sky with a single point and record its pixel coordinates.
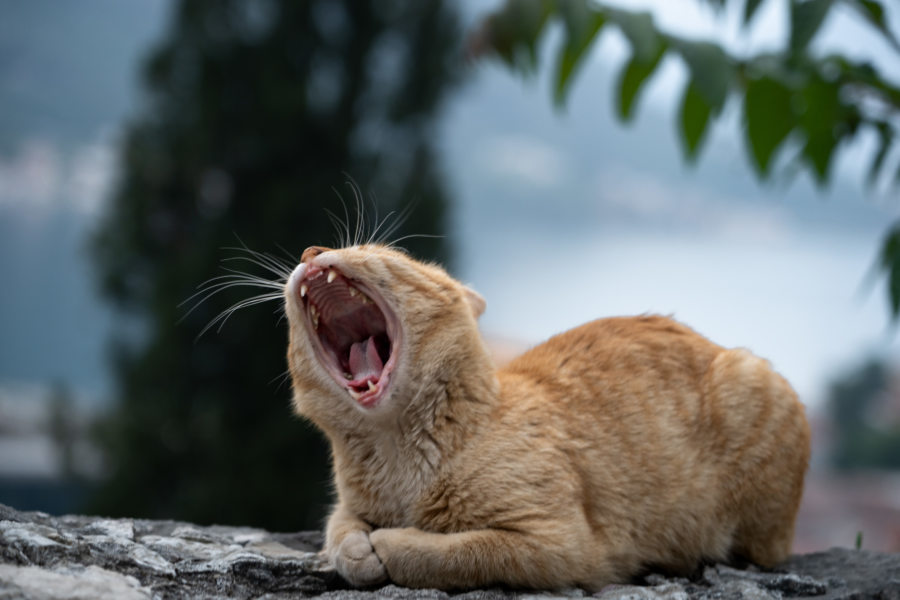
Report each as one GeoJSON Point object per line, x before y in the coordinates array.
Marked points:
{"type": "Point", "coordinates": [597, 219]}
{"type": "Point", "coordinates": [561, 216]}
{"type": "Point", "coordinates": [68, 81]}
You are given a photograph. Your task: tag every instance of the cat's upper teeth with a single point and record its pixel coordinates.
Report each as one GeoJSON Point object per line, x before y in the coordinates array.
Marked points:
{"type": "Point", "coordinates": [303, 289]}
{"type": "Point", "coordinates": [353, 292]}
{"type": "Point", "coordinates": [331, 276]}
{"type": "Point", "coordinates": [315, 315]}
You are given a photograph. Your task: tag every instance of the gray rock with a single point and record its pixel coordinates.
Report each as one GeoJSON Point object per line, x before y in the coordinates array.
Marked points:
{"type": "Point", "coordinates": [76, 557]}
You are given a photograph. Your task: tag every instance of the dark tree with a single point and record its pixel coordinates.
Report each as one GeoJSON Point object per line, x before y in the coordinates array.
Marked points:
{"type": "Point", "coordinates": [865, 419]}
{"type": "Point", "coordinates": [255, 111]}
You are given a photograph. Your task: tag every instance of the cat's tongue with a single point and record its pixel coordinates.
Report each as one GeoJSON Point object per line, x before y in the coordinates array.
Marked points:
{"type": "Point", "coordinates": [364, 361]}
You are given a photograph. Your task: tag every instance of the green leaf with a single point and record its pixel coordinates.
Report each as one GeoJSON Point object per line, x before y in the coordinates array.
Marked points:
{"type": "Point", "coordinates": [712, 71]}
{"type": "Point", "coordinates": [750, 10]}
{"type": "Point", "coordinates": [582, 27]}
{"type": "Point", "coordinates": [640, 31]}
{"type": "Point", "coordinates": [886, 138]}
{"type": "Point", "coordinates": [824, 121]}
{"type": "Point", "coordinates": [807, 17]}
{"type": "Point", "coordinates": [873, 12]}
{"type": "Point", "coordinates": [515, 30]}
{"type": "Point", "coordinates": [693, 120]}
{"type": "Point", "coordinates": [818, 152]}
{"type": "Point", "coordinates": [890, 262]}
{"type": "Point", "coordinates": [768, 119]}
{"type": "Point", "coordinates": [631, 81]}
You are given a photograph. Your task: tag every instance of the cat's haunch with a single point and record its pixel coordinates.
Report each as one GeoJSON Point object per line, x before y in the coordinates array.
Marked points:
{"type": "Point", "coordinates": [619, 444]}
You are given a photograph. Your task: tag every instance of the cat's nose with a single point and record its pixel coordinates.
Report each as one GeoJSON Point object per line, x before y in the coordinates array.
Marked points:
{"type": "Point", "coordinates": [312, 252]}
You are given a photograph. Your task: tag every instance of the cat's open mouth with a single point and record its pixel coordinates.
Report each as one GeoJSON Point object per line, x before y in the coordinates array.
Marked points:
{"type": "Point", "coordinates": [354, 332]}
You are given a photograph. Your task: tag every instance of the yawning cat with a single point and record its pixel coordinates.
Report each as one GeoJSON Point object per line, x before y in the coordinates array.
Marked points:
{"type": "Point", "coordinates": [622, 443]}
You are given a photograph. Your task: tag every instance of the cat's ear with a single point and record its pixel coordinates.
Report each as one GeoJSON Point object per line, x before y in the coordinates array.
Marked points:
{"type": "Point", "coordinates": [476, 302]}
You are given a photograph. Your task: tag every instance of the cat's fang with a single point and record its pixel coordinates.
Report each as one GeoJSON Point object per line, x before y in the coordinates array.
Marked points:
{"type": "Point", "coordinates": [372, 387]}
{"type": "Point", "coordinates": [331, 276]}
{"type": "Point", "coordinates": [354, 394]}
{"type": "Point", "coordinates": [303, 289]}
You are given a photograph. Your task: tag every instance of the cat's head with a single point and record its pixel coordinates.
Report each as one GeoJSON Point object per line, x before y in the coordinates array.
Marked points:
{"type": "Point", "coordinates": [372, 329]}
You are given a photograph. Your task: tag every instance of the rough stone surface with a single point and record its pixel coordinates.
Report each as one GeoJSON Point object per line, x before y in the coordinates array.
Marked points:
{"type": "Point", "coordinates": [75, 557]}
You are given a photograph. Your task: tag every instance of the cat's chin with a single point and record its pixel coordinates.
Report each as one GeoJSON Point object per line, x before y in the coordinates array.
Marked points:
{"type": "Point", "coordinates": [354, 332]}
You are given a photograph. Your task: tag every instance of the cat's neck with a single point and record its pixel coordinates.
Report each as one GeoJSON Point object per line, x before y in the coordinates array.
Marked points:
{"type": "Point", "coordinates": [438, 417]}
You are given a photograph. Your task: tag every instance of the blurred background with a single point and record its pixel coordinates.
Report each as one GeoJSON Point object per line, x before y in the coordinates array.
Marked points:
{"type": "Point", "coordinates": [142, 142]}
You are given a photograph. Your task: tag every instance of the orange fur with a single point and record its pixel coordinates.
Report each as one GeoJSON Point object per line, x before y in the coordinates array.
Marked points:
{"type": "Point", "coordinates": [619, 444]}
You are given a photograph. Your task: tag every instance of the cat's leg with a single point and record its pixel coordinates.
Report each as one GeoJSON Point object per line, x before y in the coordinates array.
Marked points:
{"type": "Point", "coordinates": [763, 450]}
{"type": "Point", "coordinates": [415, 558]}
{"type": "Point", "coordinates": [348, 548]}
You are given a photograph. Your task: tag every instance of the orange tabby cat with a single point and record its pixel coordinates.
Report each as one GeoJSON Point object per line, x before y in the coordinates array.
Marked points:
{"type": "Point", "coordinates": [622, 443]}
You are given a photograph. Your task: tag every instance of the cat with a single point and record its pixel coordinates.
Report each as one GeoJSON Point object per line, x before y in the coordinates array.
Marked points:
{"type": "Point", "coordinates": [622, 443]}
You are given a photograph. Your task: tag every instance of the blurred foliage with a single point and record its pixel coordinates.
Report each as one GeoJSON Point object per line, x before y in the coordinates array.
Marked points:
{"type": "Point", "coordinates": [795, 101]}
{"type": "Point", "coordinates": [254, 112]}
{"type": "Point", "coordinates": [865, 416]}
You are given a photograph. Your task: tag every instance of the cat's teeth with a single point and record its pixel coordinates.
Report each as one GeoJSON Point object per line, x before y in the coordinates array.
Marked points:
{"type": "Point", "coordinates": [331, 276]}
{"type": "Point", "coordinates": [371, 386]}
{"type": "Point", "coordinates": [348, 376]}
{"type": "Point", "coordinates": [303, 289]}
{"type": "Point", "coordinates": [353, 292]}
{"type": "Point", "coordinates": [315, 315]}
{"type": "Point", "coordinates": [354, 394]}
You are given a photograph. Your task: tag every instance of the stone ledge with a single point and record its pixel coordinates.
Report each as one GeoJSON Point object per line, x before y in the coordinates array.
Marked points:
{"type": "Point", "coordinates": [74, 557]}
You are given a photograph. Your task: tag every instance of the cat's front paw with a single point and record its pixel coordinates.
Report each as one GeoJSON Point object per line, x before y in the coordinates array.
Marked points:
{"type": "Point", "coordinates": [356, 561]}
{"type": "Point", "coordinates": [397, 550]}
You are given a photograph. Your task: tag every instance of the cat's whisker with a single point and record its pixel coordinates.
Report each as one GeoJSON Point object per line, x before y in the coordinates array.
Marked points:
{"type": "Point", "coordinates": [235, 278]}
{"type": "Point", "coordinates": [226, 314]}
{"type": "Point", "coordinates": [378, 225]}
{"type": "Point", "coordinates": [394, 243]}
{"type": "Point", "coordinates": [355, 238]}
{"type": "Point", "coordinates": [342, 231]}
{"type": "Point", "coordinates": [292, 257]}
{"type": "Point", "coordinates": [268, 262]}
{"type": "Point", "coordinates": [399, 220]}
{"type": "Point", "coordinates": [272, 263]}
{"type": "Point", "coordinates": [281, 379]}
{"type": "Point", "coordinates": [227, 281]}
{"type": "Point", "coordinates": [249, 276]}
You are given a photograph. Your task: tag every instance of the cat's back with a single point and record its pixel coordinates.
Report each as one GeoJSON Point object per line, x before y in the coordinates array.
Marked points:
{"type": "Point", "coordinates": [619, 355]}
{"type": "Point", "coordinates": [704, 442]}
